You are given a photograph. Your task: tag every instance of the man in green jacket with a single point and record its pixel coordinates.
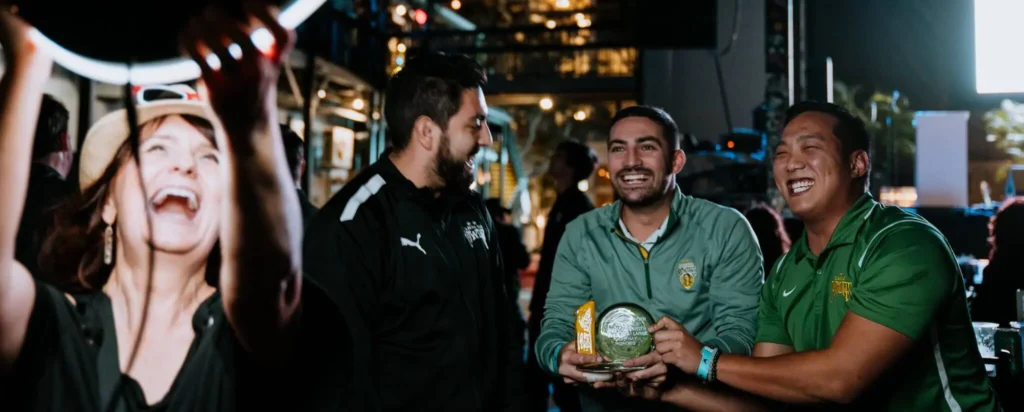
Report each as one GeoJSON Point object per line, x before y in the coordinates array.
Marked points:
{"type": "Point", "coordinates": [867, 310]}
{"type": "Point", "coordinates": [674, 255]}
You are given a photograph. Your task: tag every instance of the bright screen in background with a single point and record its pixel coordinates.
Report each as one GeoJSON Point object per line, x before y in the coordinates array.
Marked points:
{"type": "Point", "coordinates": [999, 57]}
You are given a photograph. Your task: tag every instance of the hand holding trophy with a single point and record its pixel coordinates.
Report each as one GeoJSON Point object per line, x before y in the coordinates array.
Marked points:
{"type": "Point", "coordinates": [603, 344]}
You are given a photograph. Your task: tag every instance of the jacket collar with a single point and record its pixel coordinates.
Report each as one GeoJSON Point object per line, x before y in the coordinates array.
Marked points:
{"type": "Point", "coordinates": [405, 188]}
{"type": "Point", "coordinates": [846, 231]}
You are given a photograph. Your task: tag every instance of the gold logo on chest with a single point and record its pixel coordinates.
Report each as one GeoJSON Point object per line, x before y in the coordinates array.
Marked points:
{"type": "Point", "coordinates": [841, 287]}
{"type": "Point", "coordinates": [687, 273]}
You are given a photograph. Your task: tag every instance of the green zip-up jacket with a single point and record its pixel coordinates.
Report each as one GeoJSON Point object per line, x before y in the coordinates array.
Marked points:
{"type": "Point", "coordinates": [705, 272]}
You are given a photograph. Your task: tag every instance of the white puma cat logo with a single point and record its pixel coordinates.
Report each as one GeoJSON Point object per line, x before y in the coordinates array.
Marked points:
{"type": "Point", "coordinates": [407, 242]}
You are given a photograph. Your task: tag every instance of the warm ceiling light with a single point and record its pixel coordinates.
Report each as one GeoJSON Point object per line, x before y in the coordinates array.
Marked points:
{"type": "Point", "coordinates": [400, 9]}
{"type": "Point", "coordinates": [550, 24]}
{"type": "Point", "coordinates": [456, 4]}
{"type": "Point", "coordinates": [546, 103]}
{"type": "Point", "coordinates": [358, 104]}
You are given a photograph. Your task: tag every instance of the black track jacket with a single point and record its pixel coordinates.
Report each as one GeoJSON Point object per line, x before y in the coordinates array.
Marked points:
{"type": "Point", "coordinates": [419, 281]}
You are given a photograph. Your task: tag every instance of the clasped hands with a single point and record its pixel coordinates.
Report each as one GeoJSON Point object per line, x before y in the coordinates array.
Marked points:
{"type": "Point", "coordinates": [673, 345]}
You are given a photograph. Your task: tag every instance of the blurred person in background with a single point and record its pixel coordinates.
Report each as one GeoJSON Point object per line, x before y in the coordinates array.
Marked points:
{"type": "Point", "coordinates": [770, 231]}
{"type": "Point", "coordinates": [572, 162]}
{"type": "Point", "coordinates": [513, 255]}
{"type": "Point", "coordinates": [295, 152]}
{"type": "Point", "coordinates": [47, 184]}
{"type": "Point", "coordinates": [1004, 275]}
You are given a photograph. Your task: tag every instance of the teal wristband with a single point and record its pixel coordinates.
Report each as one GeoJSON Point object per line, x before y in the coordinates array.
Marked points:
{"type": "Point", "coordinates": [708, 360]}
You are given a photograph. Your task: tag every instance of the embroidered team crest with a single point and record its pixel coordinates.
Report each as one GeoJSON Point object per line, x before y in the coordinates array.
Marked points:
{"type": "Point", "coordinates": [687, 273]}
{"type": "Point", "coordinates": [473, 231]}
{"type": "Point", "coordinates": [841, 287]}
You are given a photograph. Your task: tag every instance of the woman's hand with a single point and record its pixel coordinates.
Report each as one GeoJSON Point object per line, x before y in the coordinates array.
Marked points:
{"type": "Point", "coordinates": [21, 54]}
{"type": "Point", "coordinates": [261, 247]}
{"type": "Point", "coordinates": [242, 88]}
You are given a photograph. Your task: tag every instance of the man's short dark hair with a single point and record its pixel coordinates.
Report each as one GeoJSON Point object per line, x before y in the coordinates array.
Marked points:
{"type": "Point", "coordinates": [849, 129]}
{"type": "Point", "coordinates": [429, 85]}
{"type": "Point", "coordinates": [580, 157]}
{"type": "Point", "coordinates": [294, 150]}
{"type": "Point", "coordinates": [51, 128]}
{"type": "Point", "coordinates": [656, 115]}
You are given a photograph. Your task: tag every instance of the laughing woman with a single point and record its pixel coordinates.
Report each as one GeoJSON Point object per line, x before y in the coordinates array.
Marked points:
{"type": "Point", "coordinates": [147, 312]}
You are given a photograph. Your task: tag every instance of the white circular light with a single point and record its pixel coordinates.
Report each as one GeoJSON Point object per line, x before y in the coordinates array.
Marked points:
{"type": "Point", "coordinates": [546, 103]}
{"type": "Point", "coordinates": [358, 104]}
{"type": "Point", "coordinates": [401, 47]}
{"type": "Point", "coordinates": [550, 24]}
{"type": "Point", "coordinates": [580, 115]}
{"type": "Point", "coordinates": [400, 9]}
{"type": "Point", "coordinates": [321, 94]}
{"type": "Point", "coordinates": [167, 71]}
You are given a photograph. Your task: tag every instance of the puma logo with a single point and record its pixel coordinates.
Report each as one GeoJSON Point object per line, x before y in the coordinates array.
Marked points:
{"type": "Point", "coordinates": [416, 244]}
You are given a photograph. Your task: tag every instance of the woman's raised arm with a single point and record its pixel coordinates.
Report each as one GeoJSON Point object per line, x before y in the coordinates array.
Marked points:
{"type": "Point", "coordinates": [21, 93]}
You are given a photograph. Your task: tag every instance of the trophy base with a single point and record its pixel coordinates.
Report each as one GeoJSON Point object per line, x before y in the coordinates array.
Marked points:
{"type": "Point", "coordinates": [607, 367]}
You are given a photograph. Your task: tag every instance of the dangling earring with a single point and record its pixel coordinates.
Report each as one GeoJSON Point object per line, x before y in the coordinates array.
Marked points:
{"type": "Point", "coordinates": [108, 245]}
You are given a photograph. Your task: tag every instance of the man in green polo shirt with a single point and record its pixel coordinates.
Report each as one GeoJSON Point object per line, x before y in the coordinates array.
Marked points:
{"type": "Point", "coordinates": [867, 309]}
{"type": "Point", "coordinates": [669, 253]}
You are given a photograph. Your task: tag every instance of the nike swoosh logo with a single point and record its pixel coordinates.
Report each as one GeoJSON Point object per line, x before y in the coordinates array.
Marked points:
{"type": "Point", "coordinates": [788, 292]}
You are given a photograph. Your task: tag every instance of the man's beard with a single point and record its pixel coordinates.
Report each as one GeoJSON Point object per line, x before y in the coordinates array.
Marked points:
{"type": "Point", "coordinates": [650, 195]}
{"type": "Point", "coordinates": [450, 170]}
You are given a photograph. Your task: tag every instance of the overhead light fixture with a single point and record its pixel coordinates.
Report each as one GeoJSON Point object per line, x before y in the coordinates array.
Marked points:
{"type": "Point", "coordinates": [400, 9]}
{"type": "Point", "coordinates": [562, 4]}
{"type": "Point", "coordinates": [401, 47]}
{"type": "Point", "coordinates": [456, 4]}
{"type": "Point", "coordinates": [546, 103]}
{"type": "Point", "coordinates": [583, 23]}
{"type": "Point", "coordinates": [550, 24]}
{"type": "Point", "coordinates": [165, 71]}
{"type": "Point", "coordinates": [420, 16]}
{"type": "Point", "coordinates": [350, 114]}
{"type": "Point", "coordinates": [321, 94]}
{"type": "Point", "coordinates": [358, 104]}
{"type": "Point", "coordinates": [580, 115]}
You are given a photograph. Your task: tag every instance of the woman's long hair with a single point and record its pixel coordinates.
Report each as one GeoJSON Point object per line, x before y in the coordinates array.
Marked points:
{"type": "Point", "coordinates": [71, 257]}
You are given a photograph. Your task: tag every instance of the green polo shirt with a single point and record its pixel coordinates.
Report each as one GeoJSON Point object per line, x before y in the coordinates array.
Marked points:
{"type": "Point", "coordinates": [895, 269]}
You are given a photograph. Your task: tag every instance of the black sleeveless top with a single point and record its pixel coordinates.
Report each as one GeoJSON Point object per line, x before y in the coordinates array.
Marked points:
{"type": "Point", "coordinates": [69, 362]}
